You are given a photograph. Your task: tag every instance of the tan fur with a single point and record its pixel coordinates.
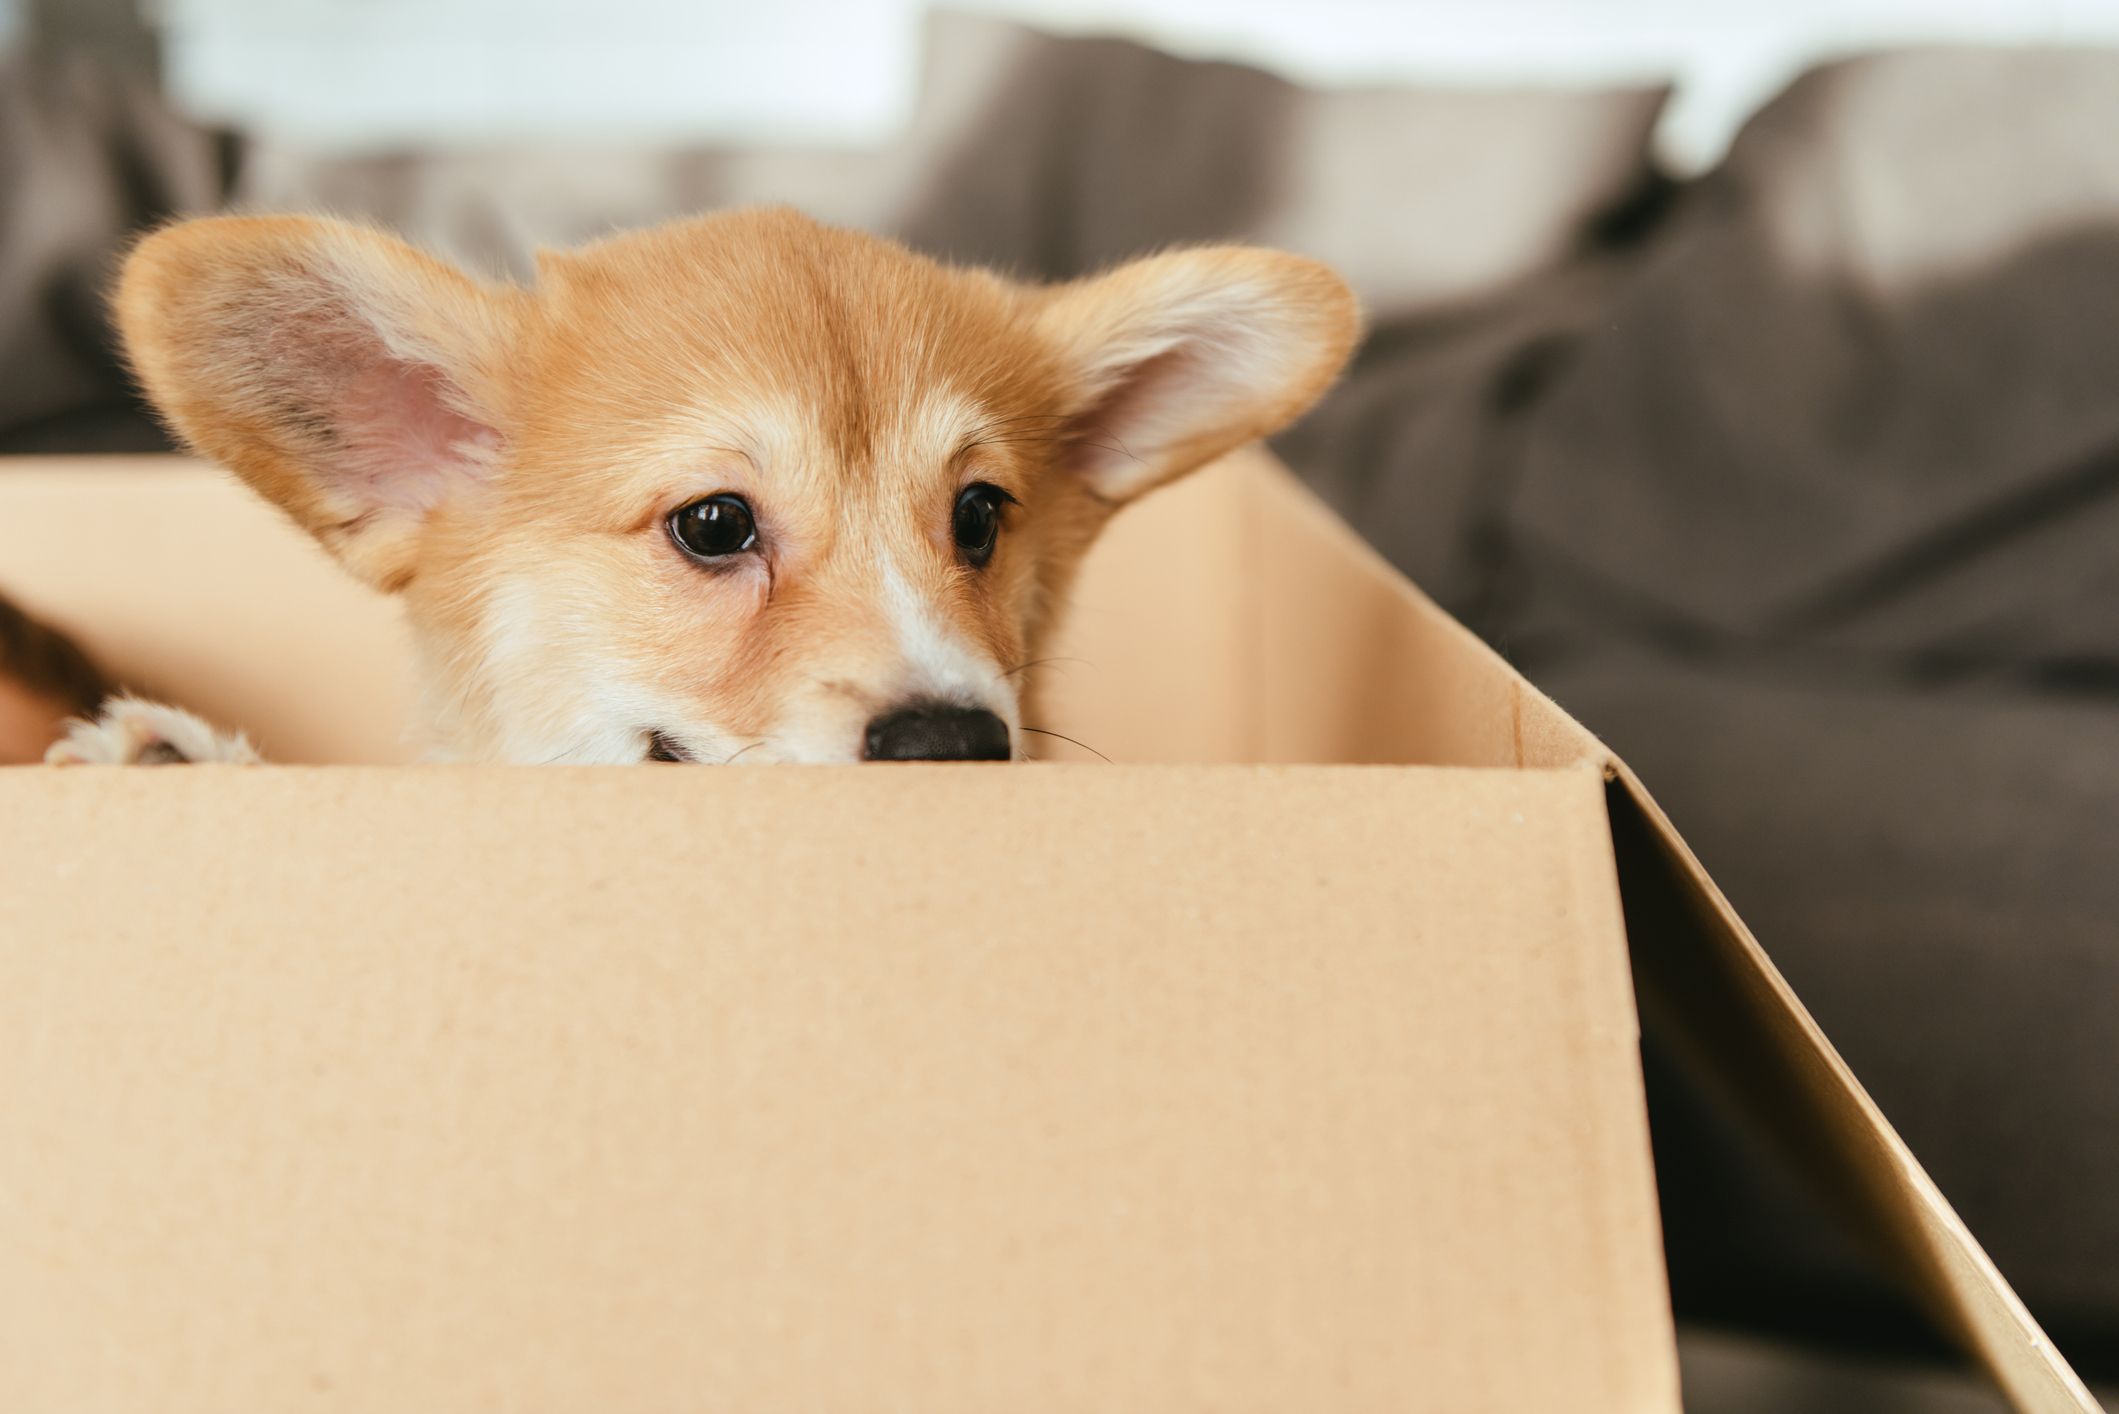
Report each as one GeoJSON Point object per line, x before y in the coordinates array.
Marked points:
{"type": "Point", "coordinates": [506, 458]}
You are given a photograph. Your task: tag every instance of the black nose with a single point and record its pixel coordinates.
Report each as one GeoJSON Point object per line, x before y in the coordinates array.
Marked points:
{"type": "Point", "coordinates": [933, 732]}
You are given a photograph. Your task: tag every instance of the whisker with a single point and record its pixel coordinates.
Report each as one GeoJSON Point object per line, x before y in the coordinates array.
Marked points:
{"type": "Point", "coordinates": [731, 759]}
{"type": "Point", "coordinates": [1110, 444]}
{"type": "Point", "coordinates": [1038, 663]}
{"type": "Point", "coordinates": [1071, 741]}
{"type": "Point", "coordinates": [1048, 429]}
{"type": "Point", "coordinates": [1114, 447]}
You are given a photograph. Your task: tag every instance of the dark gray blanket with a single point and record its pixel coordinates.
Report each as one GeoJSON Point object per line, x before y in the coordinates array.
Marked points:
{"type": "Point", "coordinates": [1800, 482]}
{"type": "Point", "coordinates": [1817, 523]}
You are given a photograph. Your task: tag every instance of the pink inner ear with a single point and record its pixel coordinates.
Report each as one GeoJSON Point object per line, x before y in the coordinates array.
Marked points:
{"type": "Point", "coordinates": [1116, 440]}
{"type": "Point", "coordinates": [402, 445]}
{"type": "Point", "coordinates": [381, 427]}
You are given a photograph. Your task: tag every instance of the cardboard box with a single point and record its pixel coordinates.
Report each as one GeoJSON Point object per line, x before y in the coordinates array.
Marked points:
{"type": "Point", "coordinates": [1250, 1083]}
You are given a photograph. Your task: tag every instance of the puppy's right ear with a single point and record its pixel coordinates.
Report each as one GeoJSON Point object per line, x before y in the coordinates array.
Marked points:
{"type": "Point", "coordinates": [348, 378]}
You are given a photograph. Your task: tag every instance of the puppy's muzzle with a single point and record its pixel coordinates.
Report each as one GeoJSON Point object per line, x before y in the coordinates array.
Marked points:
{"type": "Point", "coordinates": [932, 731]}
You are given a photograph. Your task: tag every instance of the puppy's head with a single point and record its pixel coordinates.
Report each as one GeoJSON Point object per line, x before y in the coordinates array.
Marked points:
{"type": "Point", "coordinates": [741, 488]}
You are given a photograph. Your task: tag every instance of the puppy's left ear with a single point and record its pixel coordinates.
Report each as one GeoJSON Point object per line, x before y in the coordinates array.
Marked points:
{"type": "Point", "coordinates": [1184, 356]}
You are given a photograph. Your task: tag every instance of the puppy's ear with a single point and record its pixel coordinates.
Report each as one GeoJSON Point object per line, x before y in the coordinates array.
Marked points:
{"type": "Point", "coordinates": [345, 376]}
{"type": "Point", "coordinates": [1183, 356]}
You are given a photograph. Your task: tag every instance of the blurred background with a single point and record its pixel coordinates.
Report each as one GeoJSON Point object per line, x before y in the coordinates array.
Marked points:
{"type": "Point", "coordinates": [1748, 373]}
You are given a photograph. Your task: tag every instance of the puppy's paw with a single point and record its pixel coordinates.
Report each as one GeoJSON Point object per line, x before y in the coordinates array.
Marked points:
{"type": "Point", "coordinates": [130, 732]}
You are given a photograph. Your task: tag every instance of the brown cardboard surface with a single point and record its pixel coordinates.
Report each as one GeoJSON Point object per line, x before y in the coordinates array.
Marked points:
{"type": "Point", "coordinates": [191, 590]}
{"type": "Point", "coordinates": [929, 1089]}
{"type": "Point", "coordinates": [1234, 618]}
{"type": "Point", "coordinates": [1228, 618]}
{"type": "Point", "coordinates": [1349, 662]}
{"type": "Point", "coordinates": [1345, 640]}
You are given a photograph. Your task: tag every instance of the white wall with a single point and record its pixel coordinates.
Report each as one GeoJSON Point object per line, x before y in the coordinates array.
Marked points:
{"type": "Point", "coordinates": [375, 71]}
{"type": "Point", "coordinates": [382, 71]}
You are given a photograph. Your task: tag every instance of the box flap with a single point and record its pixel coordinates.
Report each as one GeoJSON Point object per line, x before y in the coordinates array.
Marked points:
{"type": "Point", "coordinates": [1705, 985]}
{"type": "Point", "coordinates": [1225, 1114]}
{"type": "Point", "coordinates": [1349, 662]}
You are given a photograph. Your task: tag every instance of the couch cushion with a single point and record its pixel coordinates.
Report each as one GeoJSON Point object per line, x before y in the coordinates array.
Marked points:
{"type": "Point", "coordinates": [1932, 872]}
{"type": "Point", "coordinates": [1861, 394]}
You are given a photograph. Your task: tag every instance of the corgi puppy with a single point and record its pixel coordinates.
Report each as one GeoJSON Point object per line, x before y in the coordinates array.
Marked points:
{"type": "Point", "coordinates": [743, 488]}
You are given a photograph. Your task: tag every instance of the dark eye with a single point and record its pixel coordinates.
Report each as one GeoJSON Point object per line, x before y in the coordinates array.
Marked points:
{"type": "Point", "coordinates": [978, 520]}
{"type": "Point", "coordinates": [715, 528]}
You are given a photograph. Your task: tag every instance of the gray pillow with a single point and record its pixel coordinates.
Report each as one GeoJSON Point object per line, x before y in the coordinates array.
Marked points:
{"type": "Point", "coordinates": [1861, 397]}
